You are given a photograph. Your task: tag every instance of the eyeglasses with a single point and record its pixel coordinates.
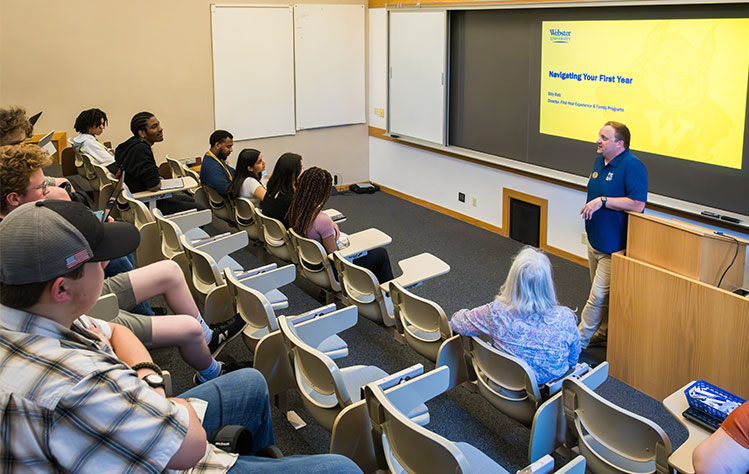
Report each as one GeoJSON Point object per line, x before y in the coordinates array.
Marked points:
{"type": "Point", "coordinates": [606, 139]}
{"type": "Point", "coordinates": [42, 186]}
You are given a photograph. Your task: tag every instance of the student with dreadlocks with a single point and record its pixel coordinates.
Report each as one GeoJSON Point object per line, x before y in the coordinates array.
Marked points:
{"type": "Point", "coordinates": [135, 157]}
{"type": "Point", "coordinates": [90, 124]}
{"type": "Point", "coordinates": [312, 192]}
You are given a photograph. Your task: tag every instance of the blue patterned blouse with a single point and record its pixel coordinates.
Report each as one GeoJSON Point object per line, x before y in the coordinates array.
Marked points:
{"type": "Point", "coordinates": [549, 344]}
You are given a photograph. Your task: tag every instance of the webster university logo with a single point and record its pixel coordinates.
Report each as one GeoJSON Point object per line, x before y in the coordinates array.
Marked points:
{"type": "Point", "coordinates": [560, 36]}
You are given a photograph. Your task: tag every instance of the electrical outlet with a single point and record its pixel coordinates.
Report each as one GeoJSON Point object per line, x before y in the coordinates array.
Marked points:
{"type": "Point", "coordinates": [584, 238]}
{"type": "Point", "coordinates": [474, 202]}
{"type": "Point", "coordinates": [379, 111]}
{"type": "Point", "coordinates": [461, 197]}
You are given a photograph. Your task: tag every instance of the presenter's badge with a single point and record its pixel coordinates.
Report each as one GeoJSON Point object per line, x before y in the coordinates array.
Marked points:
{"type": "Point", "coordinates": [594, 175]}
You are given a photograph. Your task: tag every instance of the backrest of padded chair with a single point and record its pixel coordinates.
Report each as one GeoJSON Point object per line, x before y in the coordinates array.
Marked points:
{"type": "Point", "coordinates": [312, 367]}
{"type": "Point", "coordinates": [178, 170]}
{"type": "Point", "coordinates": [191, 173]}
{"type": "Point", "coordinates": [205, 271]}
{"type": "Point", "coordinates": [252, 305]}
{"type": "Point", "coordinates": [136, 212]}
{"type": "Point", "coordinates": [215, 200]}
{"type": "Point", "coordinates": [170, 233]}
{"type": "Point", "coordinates": [102, 174]}
{"type": "Point", "coordinates": [313, 259]}
{"type": "Point", "coordinates": [415, 448]}
{"type": "Point", "coordinates": [273, 230]}
{"type": "Point", "coordinates": [420, 312]}
{"type": "Point", "coordinates": [549, 424]}
{"type": "Point", "coordinates": [245, 217]}
{"type": "Point", "coordinates": [627, 433]}
{"type": "Point", "coordinates": [505, 370]}
{"type": "Point", "coordinates": [86, 163]}
{"type": "Point", "coordinates": [276, 238]}
{"type": "Point", "coordinates": [359, 282]}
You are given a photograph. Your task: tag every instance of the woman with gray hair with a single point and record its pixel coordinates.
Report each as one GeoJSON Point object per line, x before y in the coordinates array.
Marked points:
{"type": "Point", "coordinates": [525, 320]}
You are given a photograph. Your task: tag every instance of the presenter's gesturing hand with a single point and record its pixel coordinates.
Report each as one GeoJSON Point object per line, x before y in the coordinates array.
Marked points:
{"type": "Point", "coordinates": [592, 206]}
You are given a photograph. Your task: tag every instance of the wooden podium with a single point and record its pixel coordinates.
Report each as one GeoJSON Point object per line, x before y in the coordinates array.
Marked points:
{"type": "Point", "coordinates": [668, 322]}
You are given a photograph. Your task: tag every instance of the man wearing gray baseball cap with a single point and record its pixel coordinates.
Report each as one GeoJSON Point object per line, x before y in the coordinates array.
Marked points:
{"type": "Point", "coordinates": [82, 395]}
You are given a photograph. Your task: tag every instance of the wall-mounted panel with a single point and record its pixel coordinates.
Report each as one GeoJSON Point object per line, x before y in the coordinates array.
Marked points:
{"type": "Point", "coordinates": [417, 59]}
{"type": "Point", "coordinates": [253, 70]}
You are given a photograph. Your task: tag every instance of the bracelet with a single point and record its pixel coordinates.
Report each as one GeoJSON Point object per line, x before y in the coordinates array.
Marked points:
{"type": "Point", "coordinates": [147, 365]}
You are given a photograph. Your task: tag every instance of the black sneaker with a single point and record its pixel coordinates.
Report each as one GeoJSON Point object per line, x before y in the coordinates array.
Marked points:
{"type": "Point", "coordinates": [224, 332]}
{"type": "Point", "coordinates": [226, 367]}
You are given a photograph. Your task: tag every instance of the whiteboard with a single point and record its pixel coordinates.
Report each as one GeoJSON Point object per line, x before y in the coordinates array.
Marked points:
{"type": "Point", "coordinates": [416, 83]}
{"type": "Point", "coordinates": [253, 70]}
{"type": "Point", "coordinates": [329, 60]}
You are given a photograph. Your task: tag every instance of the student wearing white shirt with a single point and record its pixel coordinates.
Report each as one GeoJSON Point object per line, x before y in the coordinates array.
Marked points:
{"type": "Point", "coordinates": [90, 124]}
{"type": "Point", "coordinates": [248, 174]}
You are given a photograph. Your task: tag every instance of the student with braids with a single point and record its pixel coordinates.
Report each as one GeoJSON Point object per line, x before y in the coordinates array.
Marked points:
{"type": "Point", "coordinates": [89, 124]}
{"type": "Point", "coordinates": [135, 157]}
{"type": "Point", "coordinates": [281, 186]}
{"type": "Point", "coordinates": [313, 191]}
{"type": "Point", "coordinates": [246, 182]}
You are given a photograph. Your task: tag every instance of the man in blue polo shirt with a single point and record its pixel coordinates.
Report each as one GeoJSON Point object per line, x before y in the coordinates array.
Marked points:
{"type": "Point", "coordinates": [618, 183]}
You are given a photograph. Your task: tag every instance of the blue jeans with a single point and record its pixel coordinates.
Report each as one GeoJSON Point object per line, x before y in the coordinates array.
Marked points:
{"type": "Point", "coordinates": [241, 398]}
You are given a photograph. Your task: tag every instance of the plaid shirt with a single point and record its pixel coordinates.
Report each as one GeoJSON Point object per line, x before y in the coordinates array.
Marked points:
{"type": "Point", "coordinates": [68, 404]}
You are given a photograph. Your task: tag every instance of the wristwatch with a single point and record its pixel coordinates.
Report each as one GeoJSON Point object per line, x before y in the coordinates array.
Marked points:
{"type": "Point", "coordinates": [603, 201]}
{"type": "Point", "coordinates": [154, 381]}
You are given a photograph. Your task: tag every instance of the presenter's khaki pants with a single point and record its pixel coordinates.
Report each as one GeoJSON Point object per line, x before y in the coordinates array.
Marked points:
{"type": "Point", "coordinates": [595, 315]}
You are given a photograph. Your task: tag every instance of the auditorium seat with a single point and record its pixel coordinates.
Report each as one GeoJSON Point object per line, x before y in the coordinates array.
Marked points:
{"type": "Point", "coordinates": [408, 447]}
{"type": "Point", "coordinates": [612, 439]}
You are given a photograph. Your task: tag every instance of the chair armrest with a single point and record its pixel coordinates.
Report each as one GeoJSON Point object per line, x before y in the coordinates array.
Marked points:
{"type": "Point", "coordinates": [255, 271]}
{"type": "Point", "coordinates": [300, 318]}
{"type": "Point", "coordinates": [316, 330]}
{"type": "Point", "coordinates": [206, 240]}
{"type": "Point", "coordinates": [399, 377]}
{"type": "Point", "coordinates": [192, 220]}
{"type": "Point", "coordinates": [225, 245]}
{"type": "Point", "coordinates": [270, 280]}
{"type": "Point", "coordinates": [576, 466]}
{"type": "Point", "coordinates": [106, 308]}
{"type": "Point", "coordinates": [418, 269]}
{"type": "Point", "coordinates": [167, 382]}
{"type": "Point", "coordinates": [552, 387]}
{"type": "Point", "coordinates": [408, 395]}
{"type": "Point", "coordinates": [542, 466]}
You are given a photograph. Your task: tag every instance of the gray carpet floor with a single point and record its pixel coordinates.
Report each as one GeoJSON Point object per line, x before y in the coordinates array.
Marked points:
{"type": "Point", "coordinates": [479, 262]}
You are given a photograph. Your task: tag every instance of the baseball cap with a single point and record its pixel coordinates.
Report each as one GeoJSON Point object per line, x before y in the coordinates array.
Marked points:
{"type": "Point", "coordinates": [42, 240]}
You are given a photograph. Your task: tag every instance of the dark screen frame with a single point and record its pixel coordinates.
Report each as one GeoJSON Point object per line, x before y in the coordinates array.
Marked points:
{"type": "Point", "coordinates": [494, 92]}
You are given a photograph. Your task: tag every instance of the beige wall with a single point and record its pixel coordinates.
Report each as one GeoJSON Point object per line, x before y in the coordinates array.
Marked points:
{"type": "Point", "coordinates": [127, 56]}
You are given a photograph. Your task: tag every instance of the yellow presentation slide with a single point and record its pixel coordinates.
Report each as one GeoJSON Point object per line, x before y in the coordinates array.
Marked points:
{"type": "Point", "coordinates": [679, 85]}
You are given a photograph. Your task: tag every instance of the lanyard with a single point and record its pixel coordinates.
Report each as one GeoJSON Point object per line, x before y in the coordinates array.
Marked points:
{"type": "Point", "coordinates": [221, 163]}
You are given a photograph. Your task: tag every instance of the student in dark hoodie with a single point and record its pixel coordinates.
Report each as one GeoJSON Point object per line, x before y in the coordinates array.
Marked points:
{"type": "Point", "coordinates": [135, 157]}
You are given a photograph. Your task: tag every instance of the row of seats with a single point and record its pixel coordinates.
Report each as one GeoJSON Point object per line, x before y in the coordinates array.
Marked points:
{"type": "Point", "coordinates": [369, 423]}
